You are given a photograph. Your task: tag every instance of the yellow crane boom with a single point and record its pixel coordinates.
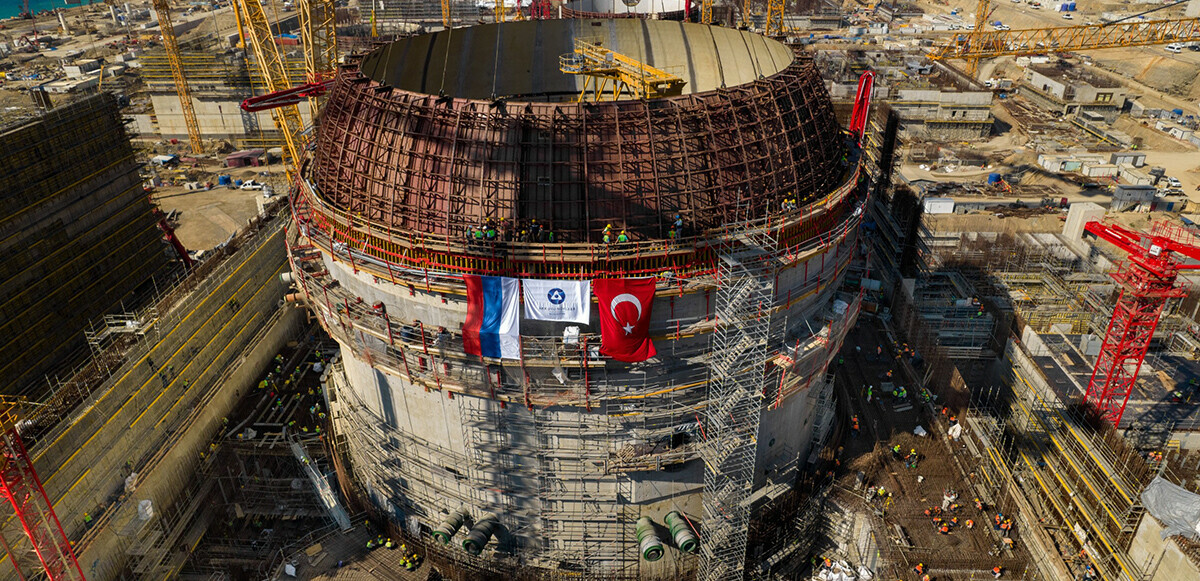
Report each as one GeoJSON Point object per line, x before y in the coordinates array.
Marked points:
{"type": "Point", "coordinates": [994, 43]}
{"type": "Point", "coordinates": [602, 66]}
{"type": "Point", "coordinates": [706, 11]}
{"type": "Point", "coordinates": [270, 62]}
{"type": "Point", "coordinates": [171, 44]}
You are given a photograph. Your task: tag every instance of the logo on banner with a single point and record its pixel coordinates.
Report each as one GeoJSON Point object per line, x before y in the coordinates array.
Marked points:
{"type": "Point", "coordinates": [556, 296]}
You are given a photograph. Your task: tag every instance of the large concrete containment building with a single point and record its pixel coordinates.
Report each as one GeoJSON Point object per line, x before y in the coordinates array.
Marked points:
{"type": "Point", "coordinates": [681, 260]}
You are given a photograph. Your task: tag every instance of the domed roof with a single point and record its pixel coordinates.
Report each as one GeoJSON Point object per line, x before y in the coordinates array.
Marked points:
{"type": "Point", "coordinates": [445, 131]}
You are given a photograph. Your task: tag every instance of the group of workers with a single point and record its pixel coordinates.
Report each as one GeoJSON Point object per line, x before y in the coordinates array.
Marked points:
{"type": "Point", "coordinates": [277, 390]}
{"type": "Point", "coordinates": [493, 230]}
{"type": "Point", "coordinates": [410, 560]}
{"type": "Point", "coordinates": [910, 459]}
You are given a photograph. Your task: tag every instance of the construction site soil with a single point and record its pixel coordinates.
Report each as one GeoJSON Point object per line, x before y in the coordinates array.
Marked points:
{"type": "Point", "coordinates": [906, 535]}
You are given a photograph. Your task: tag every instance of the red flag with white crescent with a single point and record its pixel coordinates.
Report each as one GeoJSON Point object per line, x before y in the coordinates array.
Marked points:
{"type": "Point", "coordinates": [625, 317]}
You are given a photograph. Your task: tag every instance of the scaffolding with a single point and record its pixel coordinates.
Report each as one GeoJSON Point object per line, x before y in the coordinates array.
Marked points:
{"type": "Point", "coordinates": [1085, 485]}
{"type": "Point", "coordinates": [744, 334]}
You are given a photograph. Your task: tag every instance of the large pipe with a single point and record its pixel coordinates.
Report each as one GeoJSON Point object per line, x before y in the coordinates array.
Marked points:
{"type": "Point", "coordinates": [480, 534]}
{"type": "Point", "coordinates": [451, 524]}
{"type": "Point", "coordinates": [648, 542]}
{"type": "Point", "coordinates": [286, 277]}
{"type": "Point", "coordinates": [685, 539]}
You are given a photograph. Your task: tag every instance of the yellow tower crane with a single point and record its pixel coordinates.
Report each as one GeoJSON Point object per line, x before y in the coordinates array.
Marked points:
{"type": "Point", "coordinates": [774, 25]}
{"type": "Point", "coordinates": [271, 63]}
{"type": "Point", "coordinates": [318, 33]}
{"type": "Point", "coordinates": [981, 17]}
{"type": "Point", "coordinates": [993, 43]}
{"type": "Point", "coordinates": [706, 11]}
{"type": "Point", "coordinates": [603, 67]}
{"type": "Point", "coordinates": [171, 44]}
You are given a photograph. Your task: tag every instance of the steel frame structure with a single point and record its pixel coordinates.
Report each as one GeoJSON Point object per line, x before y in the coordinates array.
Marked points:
{"type": "Point", "coordinates": [747, 271]}
{"type": "Point", "coordinates": [171, 44]}
{"type": "Point", "coordinates": [993, 43]}
{"type": "Point", "coordinates": [1147, 280]}
{"type": "Point", "coordinates": [404, 163]}
{"type": "Point", "coordinates": [22, 488]}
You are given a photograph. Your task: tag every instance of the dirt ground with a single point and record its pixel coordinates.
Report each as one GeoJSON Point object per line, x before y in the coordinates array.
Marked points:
{"type": "Point", "coordinates": [208, 218]}
{"type": "Point", "coordinates": [885, 422]}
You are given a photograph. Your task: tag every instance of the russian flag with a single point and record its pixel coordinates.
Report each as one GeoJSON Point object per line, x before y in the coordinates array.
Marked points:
{"type": "Point", "coordinates": [493, 327]}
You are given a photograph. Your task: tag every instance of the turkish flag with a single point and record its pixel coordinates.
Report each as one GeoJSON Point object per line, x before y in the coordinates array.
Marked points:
{"type": "Point", "coordinates": [625, 317]}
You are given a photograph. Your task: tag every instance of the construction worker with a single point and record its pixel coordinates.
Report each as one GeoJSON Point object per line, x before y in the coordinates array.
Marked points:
{"type": "Point", "coordinates": [970, 524]}
{"type": "Point", "coordinates": [672, 234]}
{"type": "Point", "coordinates": [87, 520]}
{"type": "Point", "coordinates": [370, 544]}
{"type": "Point", "coordinates": [678, 223]}
{"type": "Point", "coordinates": [978, 504]}
{"type": "Point", "coordinates": [896, 450]}
{"type": "Point", "coordinates": [996, 571]}
{"type": "Point", "coordinates": [920, 568]}
{"type": "Point", "coordinates": [870, 388]}
{"type": "Point", "coordinates": [622, 237]}
{"type": "Point", "coordinates": [944, 529]}
{"type": "Point", "coordinates": [607, 238]}
{"type": "Point", "coordinates": [388, 545]}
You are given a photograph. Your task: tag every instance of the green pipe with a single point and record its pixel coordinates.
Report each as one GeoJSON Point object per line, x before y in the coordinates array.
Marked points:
{"type": "Point", "coordinates": [451, 525]}
{"type": "Point", "coordinates": [685, 539]}
{"type": "Point", "coordinates": [651, 547]}
{"type": "Point", "coordinates": [480, 534]}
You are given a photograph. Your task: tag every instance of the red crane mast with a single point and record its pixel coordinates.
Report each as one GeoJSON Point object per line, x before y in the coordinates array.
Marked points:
{"type": "Point", "coordinates": [1147, 279]}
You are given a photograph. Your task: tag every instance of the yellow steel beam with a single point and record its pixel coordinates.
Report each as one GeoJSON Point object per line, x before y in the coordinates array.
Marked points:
{"type": "Point", "coordinates": [706, 11]}
{"type": "Point", "coordinates": [274, 70]}
{"type": "Point", "coordinates": [602, 65]}
{"type": "Point", "coordinates": [994, 43]}
{"type": "Point", "coordinates": [163, 10]}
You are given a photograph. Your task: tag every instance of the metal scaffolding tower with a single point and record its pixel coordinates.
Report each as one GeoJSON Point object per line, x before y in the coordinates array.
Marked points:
{"type": "Point", "coordinates": [740, 345]}
{"type": "Point", "coordinates": [23, 490]}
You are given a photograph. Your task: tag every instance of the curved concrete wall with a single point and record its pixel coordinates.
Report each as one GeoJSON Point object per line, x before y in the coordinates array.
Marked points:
{"type": "Point", "coordinates": [566, 480]}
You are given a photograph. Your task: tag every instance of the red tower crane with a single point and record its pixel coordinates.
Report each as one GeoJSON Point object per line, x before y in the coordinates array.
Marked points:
{"type": "Point", "coordinates": [1147, 280]}
{"type": "Point", "coordinates": [22, 488]}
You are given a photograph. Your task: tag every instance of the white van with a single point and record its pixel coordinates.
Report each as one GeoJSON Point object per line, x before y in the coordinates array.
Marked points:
{"type": "Point", "coordinates": [1174, 47]}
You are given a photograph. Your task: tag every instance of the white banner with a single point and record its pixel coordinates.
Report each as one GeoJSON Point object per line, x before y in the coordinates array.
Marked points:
{"type": "Point", "coordinates": [558, 300]}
